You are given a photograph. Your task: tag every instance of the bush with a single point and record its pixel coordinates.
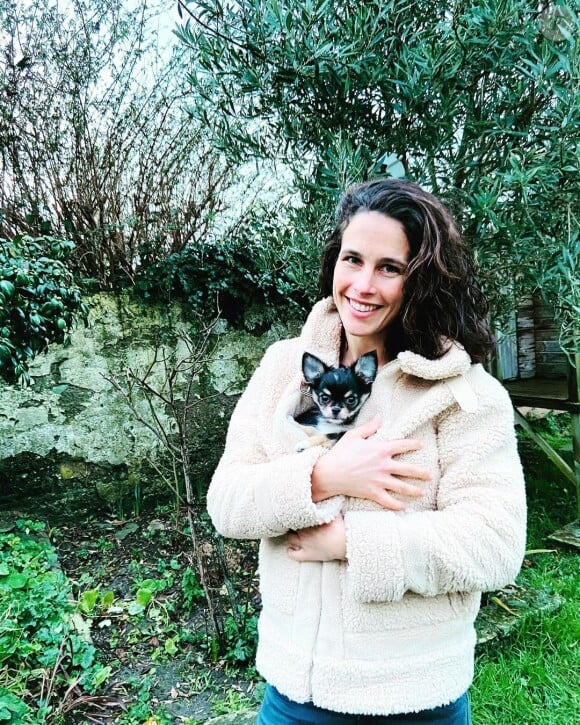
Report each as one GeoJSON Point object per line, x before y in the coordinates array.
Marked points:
{"type": "Point", "coordinates": [39, 303]}
{"type": "Point", "coordinates": [261, 261]}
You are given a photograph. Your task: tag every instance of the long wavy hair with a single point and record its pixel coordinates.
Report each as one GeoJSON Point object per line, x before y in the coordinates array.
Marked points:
{"type": "Point", "coordinates": [442, 299]}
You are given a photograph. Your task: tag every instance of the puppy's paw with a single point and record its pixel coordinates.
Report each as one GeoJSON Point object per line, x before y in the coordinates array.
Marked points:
{"type": "Point", "coordinates": [303, 445]}
{"type": "Point", "coordinates": [317, 440]}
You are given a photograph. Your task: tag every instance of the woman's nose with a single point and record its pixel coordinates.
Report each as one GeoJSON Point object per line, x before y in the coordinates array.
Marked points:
{"type": "Point", "coordinates": [365, 282]}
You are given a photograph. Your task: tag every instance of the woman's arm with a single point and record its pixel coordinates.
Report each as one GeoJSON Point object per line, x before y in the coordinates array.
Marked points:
{"type": "Point", "coordinates": [251, 496]}
{"type": "Point", "coordinates": [475, 540]}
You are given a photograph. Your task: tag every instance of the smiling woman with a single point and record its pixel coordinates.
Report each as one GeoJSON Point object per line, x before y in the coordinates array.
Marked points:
{"type": "Point", "coordinates": [374, 553]}
{"type": "Point", "coordinates": [442, 299]}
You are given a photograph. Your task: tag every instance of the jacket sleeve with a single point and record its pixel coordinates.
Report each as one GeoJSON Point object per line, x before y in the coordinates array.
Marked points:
{"type": "Point", "coordinates": [251, 496]}
{"type": "Point", "coordinates": [474, 541]}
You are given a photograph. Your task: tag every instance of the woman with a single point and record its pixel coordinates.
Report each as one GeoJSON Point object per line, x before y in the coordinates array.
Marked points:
{"type": "Point", "coordinates": [373, 554]}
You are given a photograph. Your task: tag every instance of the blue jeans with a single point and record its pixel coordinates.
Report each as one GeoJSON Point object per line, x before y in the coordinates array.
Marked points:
{"type": "Point", "coordinates": [277, 709]}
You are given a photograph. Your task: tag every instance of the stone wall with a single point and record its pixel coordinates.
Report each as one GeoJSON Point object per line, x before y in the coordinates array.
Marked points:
{"type": "Point", "coordinates": [70, 441]}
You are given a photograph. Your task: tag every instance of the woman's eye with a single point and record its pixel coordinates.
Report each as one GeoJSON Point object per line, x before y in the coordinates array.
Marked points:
{"type": "Point", "coordinates": [351, 260]}
{"type": "Point", "coordinates": [390, 270]}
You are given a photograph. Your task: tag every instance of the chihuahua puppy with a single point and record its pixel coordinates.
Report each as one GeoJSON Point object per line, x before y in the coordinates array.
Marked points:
{"type": "Point", "coordinates": [339, 394]}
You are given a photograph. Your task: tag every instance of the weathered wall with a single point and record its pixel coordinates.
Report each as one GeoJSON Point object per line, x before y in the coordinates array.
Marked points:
{"type": "Point", "coordinates": [71, 433]}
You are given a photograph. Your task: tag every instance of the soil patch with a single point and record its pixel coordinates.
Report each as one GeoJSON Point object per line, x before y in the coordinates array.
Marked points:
{"type": "Point", "coordinates": [148, 619]}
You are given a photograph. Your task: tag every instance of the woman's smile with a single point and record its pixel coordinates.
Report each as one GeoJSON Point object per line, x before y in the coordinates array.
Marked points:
{"type": "Point", "coordinates": [361, 306]}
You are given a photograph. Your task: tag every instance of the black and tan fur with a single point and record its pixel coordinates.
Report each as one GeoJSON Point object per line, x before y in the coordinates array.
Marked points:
{"type": "Point", "coordinates": [339, 393]}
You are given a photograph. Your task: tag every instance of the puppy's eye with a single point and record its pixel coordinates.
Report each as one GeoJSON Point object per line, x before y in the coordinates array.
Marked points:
{"type": "Point", "coordinates": [324, 398]}
{"type": "Point", "coordinates": [351, 400]}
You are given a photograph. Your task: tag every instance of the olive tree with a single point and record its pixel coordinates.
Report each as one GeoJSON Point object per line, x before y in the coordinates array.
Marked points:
{"type": "Point", "coordinates": [476, 100]}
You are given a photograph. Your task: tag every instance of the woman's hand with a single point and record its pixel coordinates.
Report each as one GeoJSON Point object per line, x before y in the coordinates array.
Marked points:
{"type": "Point", "coordinates": [365, 467]}
{"type": "Point", "coordinates": [318, 543]}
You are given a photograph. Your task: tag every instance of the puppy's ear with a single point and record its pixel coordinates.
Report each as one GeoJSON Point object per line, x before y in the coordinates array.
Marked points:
{"type": "Point", "coordinates": [312, 368]}
{"type": "Point", "coordinates": [366, 366]}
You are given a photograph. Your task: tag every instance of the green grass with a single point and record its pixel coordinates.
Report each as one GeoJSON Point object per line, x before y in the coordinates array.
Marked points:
{"type": "Point", "coordinates": [532, 677]}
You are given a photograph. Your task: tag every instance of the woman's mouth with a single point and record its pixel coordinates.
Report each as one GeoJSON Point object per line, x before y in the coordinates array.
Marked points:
{"type": "Point", "coordinates": [360, 307]}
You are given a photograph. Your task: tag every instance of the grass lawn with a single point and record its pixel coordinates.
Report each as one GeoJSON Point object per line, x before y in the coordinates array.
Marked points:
{"type": "Point", "coordinates": [533, 676]}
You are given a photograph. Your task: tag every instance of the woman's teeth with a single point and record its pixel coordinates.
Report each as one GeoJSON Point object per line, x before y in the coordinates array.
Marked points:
{"type": "Point", "coordinates": [362, 308]}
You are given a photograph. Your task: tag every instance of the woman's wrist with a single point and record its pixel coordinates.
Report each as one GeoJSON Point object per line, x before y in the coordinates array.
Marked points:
{"type": "Point", "coordinates": [321, 489]}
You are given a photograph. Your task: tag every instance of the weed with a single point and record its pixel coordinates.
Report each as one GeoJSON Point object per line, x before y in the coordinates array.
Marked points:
{"type": "Point", "coordinates": [192, 591]}
{"type": "Point", "coordinates": [141, 710]}
{"type": "Point", "coordinates": [241, 636]}
{"type": "Point", "coordinates": [233, 701]}
{"type": "Point", "coordinates": [103, 544]}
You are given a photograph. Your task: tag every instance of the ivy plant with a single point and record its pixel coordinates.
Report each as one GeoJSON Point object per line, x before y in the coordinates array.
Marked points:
{"type": "Point", "coordinates": [261, 262]}
{"type": "Point", "coordinates": [39, 302]}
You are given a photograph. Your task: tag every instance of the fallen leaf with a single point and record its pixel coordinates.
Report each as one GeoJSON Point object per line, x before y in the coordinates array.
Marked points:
{"type": "Point", "coordinates": [498, 601]}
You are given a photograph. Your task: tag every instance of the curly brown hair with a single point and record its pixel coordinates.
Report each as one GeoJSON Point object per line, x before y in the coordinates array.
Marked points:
{"type": "Point", "coordinates": [442, 299]}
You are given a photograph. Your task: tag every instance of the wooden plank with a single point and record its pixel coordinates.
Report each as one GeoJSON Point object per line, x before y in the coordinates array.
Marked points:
{"type": "Point", "coordinates": [552, 394]}
{"type": "Point", "coordinates": [576, 450]}
{"type": "Point", "coordinates": [526, 338]}
{"type": "Point", "coordinates": [553, 455]}
{"type": "Point", "coordinates": [540, 387]}
{"type": "Point", "coordinates": [537, 401]}
{"type": "Point", "coordinates": [505, 361]}
{"type": "Point", "coordinates": [569, 535]}
{"type": "Point", "coordinates": [494, 620]}
{"type": "Point", "coordinates": [550, 358]}
{"type": "Point", "coordinates": [574, 395]}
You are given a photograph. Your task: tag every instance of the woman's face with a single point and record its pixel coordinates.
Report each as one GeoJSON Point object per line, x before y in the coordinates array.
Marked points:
{"type": "Point", "coordinates": [368, 280]}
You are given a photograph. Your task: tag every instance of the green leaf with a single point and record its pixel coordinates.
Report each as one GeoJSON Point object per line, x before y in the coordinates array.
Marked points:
{"type": "Point", "coordinates": [88, 600]}
{"type": "Point", "coordinates": [7, 287]}
{"type": "Point", "coordinates": [134, 608]}
{"type": "Point", "coordinates": [107, 599]}
{"type": "Point", "coordinates": [152, 585]}
{"type": "Point", "coordinates": [11, 705]}
{"type": "Point", "coordinates": [170, 645]}
{"type": "Point", "coordinates": [143, 597]}
{"type": "Point", "coordinates": [16, 581]}
{"type": "Point", "coordinates": [102, 675]}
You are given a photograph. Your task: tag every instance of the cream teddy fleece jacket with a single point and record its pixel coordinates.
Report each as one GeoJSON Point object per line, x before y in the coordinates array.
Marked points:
{"type": "Point", "coordinates": [390, 630]}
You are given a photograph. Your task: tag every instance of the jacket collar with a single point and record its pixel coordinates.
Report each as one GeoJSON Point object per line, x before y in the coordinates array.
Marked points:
{"type": "Point", "coordinates": [321, 336]}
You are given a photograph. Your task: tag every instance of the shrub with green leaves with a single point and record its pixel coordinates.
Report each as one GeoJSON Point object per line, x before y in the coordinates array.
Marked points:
{"type": "Point", "coordinates": [40, 648]}
{"type": "Point", "coordinates": [260, 262]}
{"type": "Point", "coordinates": [39, 302]}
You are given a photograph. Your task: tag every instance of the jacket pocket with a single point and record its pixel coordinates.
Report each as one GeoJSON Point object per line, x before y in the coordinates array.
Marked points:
{"type": "Point", "coordinates": [279, 575]}
{"type": "Point", "coordinates": [410, 612]}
